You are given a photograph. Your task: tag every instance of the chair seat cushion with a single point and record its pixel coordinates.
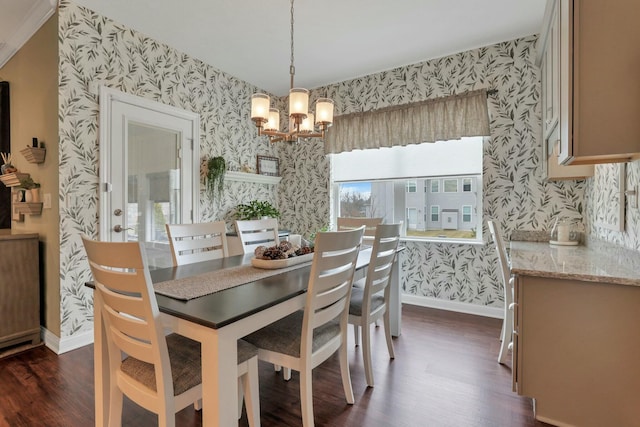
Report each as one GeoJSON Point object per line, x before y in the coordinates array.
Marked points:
{"type": "Point", "coordinates": [284, 336]}
{"type": "Point", "coordinates": [184, 355]}
{"type": "Point", "coordinates": [246, 351]}
{"type": "Point", "coordinates": [357, 295]}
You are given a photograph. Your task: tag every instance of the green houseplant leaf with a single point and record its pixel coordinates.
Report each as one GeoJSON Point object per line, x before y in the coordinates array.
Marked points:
{"type": "Point", "coordinates": [256, 209]}
{"type": "Point", "coordinates": [214, 178]}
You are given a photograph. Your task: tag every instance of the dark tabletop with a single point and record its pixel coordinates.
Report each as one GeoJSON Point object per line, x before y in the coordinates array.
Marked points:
{"type": "Point", "coordinates": [229, 305]}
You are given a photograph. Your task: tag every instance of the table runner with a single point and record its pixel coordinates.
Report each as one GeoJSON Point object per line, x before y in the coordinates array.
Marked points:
{"type": "Point", "coordinates": [215, 281]}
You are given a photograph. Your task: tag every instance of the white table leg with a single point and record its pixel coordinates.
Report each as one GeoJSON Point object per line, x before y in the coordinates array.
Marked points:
{"type": "Point", "coordinates": [219, 380]}
{"type": "Point", "coordinates": [219, 370]}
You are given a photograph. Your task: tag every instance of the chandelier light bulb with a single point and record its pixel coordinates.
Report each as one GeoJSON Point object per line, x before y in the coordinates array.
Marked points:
{"type": "Point", "coordinates": [273, 123]}
{"type": "Point", "coordinates": [307, 124]}
{"type": "Point", "coordinates": [324, 111]}
{"type": "Point", "coordinates": [260, 106]}
{"type": "Point", "coordinates": [298, 101]}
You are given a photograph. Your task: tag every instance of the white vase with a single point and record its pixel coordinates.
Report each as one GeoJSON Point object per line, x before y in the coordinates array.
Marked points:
{"type": "Point", "coordinates": [32, 195]}
{"type": "Point", "coordinates": [35, 195]}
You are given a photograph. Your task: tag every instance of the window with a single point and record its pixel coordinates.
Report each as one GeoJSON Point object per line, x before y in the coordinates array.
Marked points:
{"type": "Point", "coordinates": [384, 183]}
{"type": "Point", "coordinates": [435, 213]}
{"type": "Point", "coordinates": [466, 184]}
{"type": "Point", "coordinates": [466, 213]}
{"type": "Point", "coordinates": [450, 185]}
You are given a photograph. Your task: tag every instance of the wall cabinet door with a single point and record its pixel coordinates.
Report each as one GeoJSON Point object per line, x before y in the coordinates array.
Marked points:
{"type": "Point", "coordinates": [549, 61]}
{"type": "Point", "coordinates": [599, 85]}
{"type": "Point", "coordinates": [550, 73]}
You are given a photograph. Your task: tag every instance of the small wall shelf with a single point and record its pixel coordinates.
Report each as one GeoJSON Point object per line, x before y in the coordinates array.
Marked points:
{"type": "Point", "coordinates": [29, 208]}
{"type": "Point", "coordinates": [34, 155]}
{"type": "Point", "coordinates": [251, 177]}
{"type": "Point", "coordinates": [12, 179]}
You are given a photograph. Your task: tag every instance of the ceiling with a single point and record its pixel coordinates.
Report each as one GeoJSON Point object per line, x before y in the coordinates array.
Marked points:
{"type": "Point", "coordinates": [335, 40]}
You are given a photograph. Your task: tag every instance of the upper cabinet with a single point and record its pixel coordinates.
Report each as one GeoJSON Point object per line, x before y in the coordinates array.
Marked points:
{"type": "Point", "coordinates": [549, 62]}
{"type": "Point", "coordinates": [599, 85]}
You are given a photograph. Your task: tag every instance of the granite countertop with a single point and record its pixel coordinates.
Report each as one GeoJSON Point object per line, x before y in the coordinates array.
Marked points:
{"type": "Point", "coordinates": [597, 261]}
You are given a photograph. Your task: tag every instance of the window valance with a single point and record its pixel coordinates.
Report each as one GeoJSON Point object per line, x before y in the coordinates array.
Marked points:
{"type": "Point", "coordinates": [440, 119]}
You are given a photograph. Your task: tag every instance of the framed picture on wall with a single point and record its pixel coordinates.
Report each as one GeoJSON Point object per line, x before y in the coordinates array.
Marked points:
{"type": "Point", "coordinates": [268, 166]}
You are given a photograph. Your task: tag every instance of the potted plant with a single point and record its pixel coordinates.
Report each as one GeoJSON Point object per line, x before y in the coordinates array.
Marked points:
{"type": "Point", "coordinates": [256, 209]}
{"type": "Point", "coordinates": [31, 189]}
{"type": "Point", "coordinates": [214, 175]}
{"type": "Point", "coordinates": [7, 166]}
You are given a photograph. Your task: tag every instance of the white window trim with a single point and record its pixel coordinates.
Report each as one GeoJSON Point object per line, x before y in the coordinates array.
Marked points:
{"type": "Point", "coordinates": [470, 213]}
{"type": "Point", "coordinates": [412, 184]}
{"type": "Point", "coordinates": [470, 185]}
{"type": "Point", "coordinates": [431, 213]}
{"type": "Point", "coordinates": [437, 182]}
{"type": "Point", "coordinates": [444, 185]}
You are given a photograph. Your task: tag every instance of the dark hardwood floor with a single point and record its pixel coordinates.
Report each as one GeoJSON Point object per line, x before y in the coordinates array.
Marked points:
{"type": "Point", "coordinates": [445, 374]}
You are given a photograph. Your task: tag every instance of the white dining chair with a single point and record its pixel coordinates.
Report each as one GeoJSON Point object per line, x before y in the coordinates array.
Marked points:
{"type": "Point", "coordinates": [370, 295]}
{"type": "Point", "coordinates": [258, 232]}
{"type": "Point", "coordinates": [304, 339]}
{"type": "Point", "coordinates": [207, 241]}
{"type": "Point", "coordinates": [161, 374]}
{"type": "Point", "coordinates": [506, 335]}
{"type": "Point", "coordinates": [350, 223]}
{"type": "Point", "coordinates": [197, 242]}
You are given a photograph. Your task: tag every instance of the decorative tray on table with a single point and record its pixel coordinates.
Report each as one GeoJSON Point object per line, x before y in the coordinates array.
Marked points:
{"type": "Point", "coordinates": [281, 256]}
{"type": "Point", "coordinates": [271, 264]}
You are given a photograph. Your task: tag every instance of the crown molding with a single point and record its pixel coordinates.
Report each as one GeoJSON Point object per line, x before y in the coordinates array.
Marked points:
{"type": "Point", "coordinates": [24, 29]}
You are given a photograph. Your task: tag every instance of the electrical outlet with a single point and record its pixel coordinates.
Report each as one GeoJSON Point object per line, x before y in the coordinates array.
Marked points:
{"type": "Point", "coordinates": [46, 201]}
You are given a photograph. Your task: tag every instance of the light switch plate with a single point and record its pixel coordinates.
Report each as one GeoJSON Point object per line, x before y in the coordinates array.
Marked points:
{"type": "Point", "coordinates": [46, 201]}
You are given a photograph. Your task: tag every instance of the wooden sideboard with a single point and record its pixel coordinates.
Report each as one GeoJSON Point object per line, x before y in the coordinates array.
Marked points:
{"type": "Point", "coordinates": [19, 290]}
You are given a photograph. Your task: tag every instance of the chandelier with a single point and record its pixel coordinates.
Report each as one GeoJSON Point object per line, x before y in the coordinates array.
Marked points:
{"type": "Point", "coordinates": [302, 123]}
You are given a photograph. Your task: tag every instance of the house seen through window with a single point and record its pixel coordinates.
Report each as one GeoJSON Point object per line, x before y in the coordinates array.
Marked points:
{"type": "Point", "coordinates": [384, 183]}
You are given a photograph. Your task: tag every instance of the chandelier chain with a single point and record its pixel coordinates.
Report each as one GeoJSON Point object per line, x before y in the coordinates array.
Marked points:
{"type": "Point", "coordinates": [292, 68]}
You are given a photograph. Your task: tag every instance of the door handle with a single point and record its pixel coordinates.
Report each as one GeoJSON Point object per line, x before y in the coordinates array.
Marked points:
{"type": "Point", "coordinates": [118, 228]}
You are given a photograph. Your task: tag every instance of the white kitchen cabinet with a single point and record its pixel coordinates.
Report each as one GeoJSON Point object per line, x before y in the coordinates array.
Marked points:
{"type": "Point", "coordinates": [549, 62]}
{"type": "Point", "coordinates": [599, 85]}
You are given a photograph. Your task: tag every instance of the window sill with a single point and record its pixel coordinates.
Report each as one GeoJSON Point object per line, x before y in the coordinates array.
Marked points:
{"type": "Point", "coordinates": [469, 242]}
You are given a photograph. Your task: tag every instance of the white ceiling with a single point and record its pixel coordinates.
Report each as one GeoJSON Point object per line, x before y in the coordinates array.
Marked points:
{"type": "Point", "coordinates": [335, 40]}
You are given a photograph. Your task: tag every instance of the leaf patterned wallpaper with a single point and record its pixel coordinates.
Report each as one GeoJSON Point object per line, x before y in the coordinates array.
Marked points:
{"type": "Point", "coordinates": [93, 48]}
{"type": "Point", "coordinates": [516, 194]}
{"type": "Point", "coordinates": [595, 201]}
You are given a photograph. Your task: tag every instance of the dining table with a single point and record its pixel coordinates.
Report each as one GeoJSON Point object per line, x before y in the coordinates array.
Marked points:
{"type": "Point", "coordinates": [219, 319]}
